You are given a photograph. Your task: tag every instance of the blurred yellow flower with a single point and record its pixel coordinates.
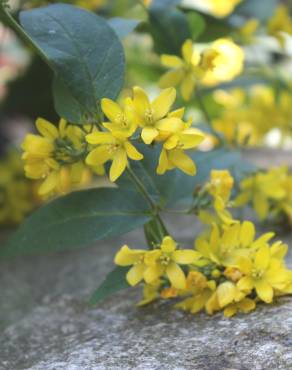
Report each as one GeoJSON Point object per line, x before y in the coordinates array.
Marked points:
{"type": "Point", "coordinates": [16, 192]}
{"type": "Point", "coordinates": [222, 62]}
{"type": "Point", "coordinates": [184, 71]}
{"type": "Point", "coordinates": [218, 8]}
{"type": "Point", "coordinates": [261, 189]}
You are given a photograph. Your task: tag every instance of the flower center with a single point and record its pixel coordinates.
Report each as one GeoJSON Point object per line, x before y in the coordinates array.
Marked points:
{"type": "Point", "coordinates": [256, 274]}
{"type": "Point", "coordinates": [148, 115]}
{"type": "Point", "coordinates": [164, 259]}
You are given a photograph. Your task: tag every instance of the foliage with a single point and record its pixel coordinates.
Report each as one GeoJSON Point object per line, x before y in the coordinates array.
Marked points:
{"type": "Point", "coordinates": [122, 156]}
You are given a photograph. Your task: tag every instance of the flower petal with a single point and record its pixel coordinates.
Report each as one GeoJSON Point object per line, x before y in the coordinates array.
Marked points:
{"type": "Point", "coordinates": [111, 109]}
{"type": "Point", "coordinates": [152, 273]}
{"type": "Point", "coordinates": [163, 163]}
{"type": "Point", "coordinates": [141, 101]}
{"type": "Point", "coordinates": [176, 276]}
{"type": "Point", "coordinates": [264, 291]}
{"type": "Point", "coordinates": [262, 257]}
{"type": "Point", "coordinates": [185, 257]}
{"type": "Point", "coordinates": [119, 164]}
{"type": "Point", "coordinates": [47, 129]}
{"type": "Point", "coordinates": [135, 274]}
{"type": "Point", "coordinates": [187, 87]}
{"type": "Point", "coordinates": [168, 245]}
{"type": "Point", "coordinates": [247, 233]}
{"type": "Point", "coordinates": [180, 160]}
{"type": "Point", "coordinates": [162, 104]}
{"type": "Point", "coordinates": [171, 61]}
{"type": "Point", "coordinates": [49, 184]}
{"type": "Point", "coordinates": [132, 152]}
{"type": "Point", "coordinates": [100, 138]}
{"type": "Point", "coordinates": [98, 156]}
{"type": "Point", "coordinates": [149, 134]}
{"type": "Point", "coordinates": [171, 78]}
{"type": "Point", "coordinates": [187, 50]}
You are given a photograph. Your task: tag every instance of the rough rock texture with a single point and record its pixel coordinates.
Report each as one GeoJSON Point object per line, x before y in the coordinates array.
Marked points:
{"type": "Point", "coordinates": [46, 324]}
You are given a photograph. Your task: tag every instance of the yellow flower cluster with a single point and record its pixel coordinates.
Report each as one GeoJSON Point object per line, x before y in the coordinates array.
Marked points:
{"type": "Point", "coordinates": [140, 119]}
{"type": "Point", "coordinates": [268, 192]}
{"type": "Point", "coordinates": [228, 269]}
{"type": "Point", "coordinates": [248, 116]}
{"type": "Point", "coordinates": [217, 63]}
{"type": "Point", "coordinates": [56, 156]}
{"type": "Point", "coordinates": [16, 192]}
{"type": "Point", "coordinates": [65, 157]}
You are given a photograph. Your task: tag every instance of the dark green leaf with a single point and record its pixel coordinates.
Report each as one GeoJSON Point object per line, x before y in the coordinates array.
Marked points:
{"type": "Point", "coordinates": [159, 187]}
{"type": "Point", "coordinates": [261, 10]}
{"type": "Point", "coordinates": [114, 281]}
{"type": "Point", "coordinates": [123, 26]}
{"type": "Point", "coordinates": [65, 103]}
{"type": "Point", "coordinates": [175, 185]}
{"type": "Point", "coordinates": [196, 23]}
{"type": "Point", "coordinates": [79, 219]}
{"type": "Point", "coordinates": [83, 50]}
{"type": "Point", "coordinates": [169, 28]}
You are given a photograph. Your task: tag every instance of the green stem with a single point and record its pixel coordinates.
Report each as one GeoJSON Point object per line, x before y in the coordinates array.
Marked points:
{"type": "Point", "coordinates": [7, 19]}
{"type": "Point", "coordinates": [140, 186]}
{"type": "Point", "coordinates": [207, 116]}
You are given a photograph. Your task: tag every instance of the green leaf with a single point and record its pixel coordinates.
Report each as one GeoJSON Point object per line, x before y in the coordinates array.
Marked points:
{"type": "Point", "coordinates": [84, 52]}
{"type": "Point", "coordinates": [114, 281]}
{"type": "Point", "coordinates": [159, 187]}
{"type": "Point", "coordinates": [123, 26]}
{"type": "Point", "coordinates": [175, 186]}
{"type": "Point", "coordinates": [79, 219]}
{"type": "Point", "coordinates": [261, 10]}
{"type": "Point", "coordinates": [169, 28]}
{"type": "Point", "coordinates": [196, 23]}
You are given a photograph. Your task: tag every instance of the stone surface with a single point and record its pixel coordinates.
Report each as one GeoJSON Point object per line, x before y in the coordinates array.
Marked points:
{"type": "Point", "coordinates": [47, 325]}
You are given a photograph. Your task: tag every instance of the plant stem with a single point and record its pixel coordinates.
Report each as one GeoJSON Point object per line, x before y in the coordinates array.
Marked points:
{"type": "Point", "coordinates": [7, 19]}
{"type": "Point", "coordinates": [140, 186]}
{"type": "Point", "coordinates": [207, 116]}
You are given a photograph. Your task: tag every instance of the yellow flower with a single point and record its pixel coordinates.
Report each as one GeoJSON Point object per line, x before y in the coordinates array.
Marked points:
{"type": "Point", "coordinates": [244, 306]}
{"type": "Point", "coordinates": [222, 62]}
{"type": "Point", "coordinates": [112, 146]}
{"type": "Point", "coordinates": [218, 8]}
{"type": "Point", "coordinates": [224, 247]}
{"type": "Point", "coordinates": [184, 71]}
{"type": "Point", "coordinates": [220, 186]}
{"type": "Point", "coordinates": [56, 155]}
{"type": "Point", "coordinates": [134, 258]}
{"type": "Point", "coordinates": [150, 293]}
{"type": "Point", "coordinates": [121, 119]}
{"type": "Point", "coordinates": [173, 155]}
{"type": "Point", "coordinates": [280, 23]}
{"type": "Point", "coordinates": [201, 290]}
{"type": "Point", "coordinates": [225, 294]}
{"type": "Point", "coordinates": [262, 188]}
{"type": "Point", "coordinates": [264, 273]}
{"type": "Point", "coordinates": [166, 261]}
{"type": "Point", "coordinates": [152, 116]}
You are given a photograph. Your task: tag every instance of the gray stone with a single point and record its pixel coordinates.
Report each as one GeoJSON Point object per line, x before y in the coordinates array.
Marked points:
{"type": "Point", "coordinates": [47, 325]}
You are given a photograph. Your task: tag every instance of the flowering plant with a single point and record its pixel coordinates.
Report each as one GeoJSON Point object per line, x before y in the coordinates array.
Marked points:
{"type": "Point", "coordinates": [152, 154]}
